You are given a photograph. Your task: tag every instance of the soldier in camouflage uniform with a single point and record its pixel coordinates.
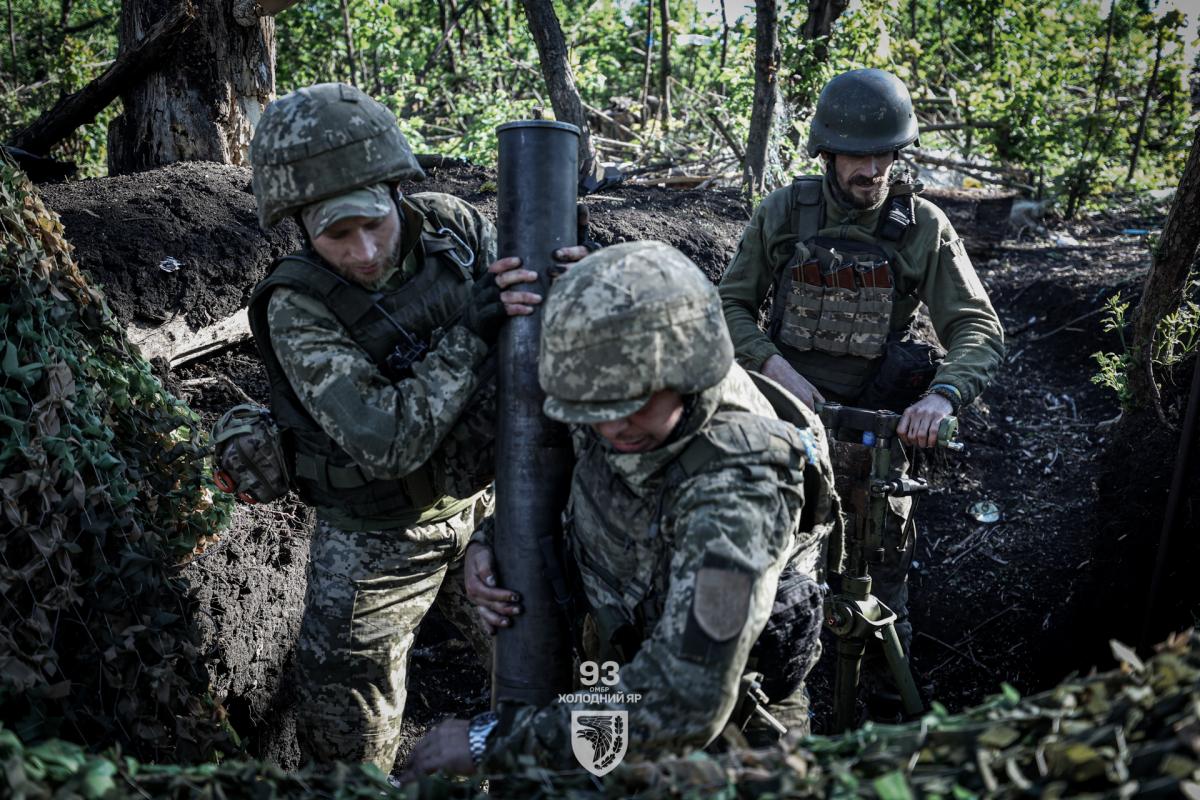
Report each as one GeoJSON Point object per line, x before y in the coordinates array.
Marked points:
{"type": "Point", "coordinates": [690, 498]}
{"type": "Point", "coordinates": [851, 255]}
{"type": "Point", "coordinates": [376, 339]}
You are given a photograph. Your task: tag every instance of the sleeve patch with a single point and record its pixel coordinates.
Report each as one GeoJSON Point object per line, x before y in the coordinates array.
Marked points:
{"type": "Point", "coordinates": [963, 272]}
{"type": "Point", "coordinates": [721, 604]}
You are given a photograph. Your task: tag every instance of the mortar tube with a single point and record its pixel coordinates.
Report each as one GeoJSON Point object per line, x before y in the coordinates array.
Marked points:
{"type": "Point", "coordinates": [536, 215]}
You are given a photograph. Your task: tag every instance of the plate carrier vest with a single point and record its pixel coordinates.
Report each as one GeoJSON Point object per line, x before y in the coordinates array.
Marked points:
{"type": "Point", "coordinates": [838, 301]}
{"type": "Point", "coordinates": [432, 300]}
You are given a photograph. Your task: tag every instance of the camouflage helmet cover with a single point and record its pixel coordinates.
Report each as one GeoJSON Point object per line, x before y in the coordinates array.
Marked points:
{"type": "Point", "coordinates": [322, 141]}
{"type": "Point", "coordinates": [861, 112]}
{"type": "Point", "coordinates": [625, 322]}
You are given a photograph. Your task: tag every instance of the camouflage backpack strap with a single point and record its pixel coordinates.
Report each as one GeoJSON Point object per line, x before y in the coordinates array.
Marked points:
{"type": "Point", "coordinates": [739, 438]}
{"type": "Point", "coordinates": [822, 508]}
{"type": "Point", "coordinates": [808, 211]}
{"type": "Point", "coordinates": [442, 240]}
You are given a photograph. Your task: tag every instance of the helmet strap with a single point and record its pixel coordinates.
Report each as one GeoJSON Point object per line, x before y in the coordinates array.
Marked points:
{"type": "Point", "coordinates": [689, 405]}
{"type": "Point", "coordinates": [304, 237]}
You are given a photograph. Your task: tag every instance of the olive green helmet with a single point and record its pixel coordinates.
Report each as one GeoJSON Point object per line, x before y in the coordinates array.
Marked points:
{"type": "Point", "coordinates": [322, 141]}
{"type": "Point", "coordinates": [625, 322]}
{"type": "Point", "coordinates": [861, 112]}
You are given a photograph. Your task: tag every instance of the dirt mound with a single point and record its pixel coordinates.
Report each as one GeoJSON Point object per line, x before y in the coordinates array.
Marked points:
{"type": "Point", "coordinates": [197, 213]}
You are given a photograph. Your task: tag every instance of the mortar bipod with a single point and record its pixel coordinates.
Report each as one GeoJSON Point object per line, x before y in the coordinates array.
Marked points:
{"type": "Point", "coordinates": [852, 612]}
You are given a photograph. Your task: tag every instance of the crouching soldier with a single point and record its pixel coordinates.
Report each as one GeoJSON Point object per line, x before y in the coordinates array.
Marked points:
{"type": "Point", "coordinates": [376, 341]}
{"type": "Point", "coordinates": [690, 499]}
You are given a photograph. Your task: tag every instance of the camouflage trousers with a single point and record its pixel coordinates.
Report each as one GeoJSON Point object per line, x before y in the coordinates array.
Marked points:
{"type": "Point", "coordinates": [889, 579]}
{"type": "Point", "coordinates": [367, 593]}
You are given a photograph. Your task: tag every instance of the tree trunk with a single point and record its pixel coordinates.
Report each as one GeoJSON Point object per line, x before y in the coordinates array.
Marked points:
{"type": "Point", "coordinates": [724, 39]}
{"type": "Point", "coordinates": [645, 64]}
{"type": "Point", "coordinates": [767, 56]}
{"type": "Point", "coordinates": [916, 59]}
{"type": "Point", "coordinates": [817, 30]}
{"type": "Point", "coordinates": [1083, 171]}
{"type": "Point", "coordinates": [1141, 129]}
{"type": "Point", "coordinates": [80, 108]}
{"type": "Point", "coordinates": [819, 23]}
{"type": "Point", "coordinates": [1172, 261]}
{"type": "Point", "coordinates": [12, 41]}
{"type": "Point", "coordinates": [664, 62]}
{"type": "Point", "coordinates": [349, 34]}
{"type": "Point", "coordinates": [447, 31]}
{"type": "Point", "coordinates": [444, 24]}
{"type": "Point", "coordinates": [462, 37]}
{"type": "Point", "coordinates": [559, 77]}
{"type": "Point", "coordinates": [202, 104]}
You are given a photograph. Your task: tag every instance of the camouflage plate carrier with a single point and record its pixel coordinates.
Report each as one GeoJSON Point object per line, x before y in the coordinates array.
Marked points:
{"type": "Point", "coordinates": [406, 320]}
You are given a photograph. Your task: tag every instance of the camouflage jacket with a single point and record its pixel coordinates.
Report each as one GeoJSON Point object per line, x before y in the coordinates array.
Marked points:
{"type": "Point", "coordinates": [388, 429]}
{"type": "Point", "coordinates": [931, 266]}
{"type": "Point", "coordinates": [689, 556]}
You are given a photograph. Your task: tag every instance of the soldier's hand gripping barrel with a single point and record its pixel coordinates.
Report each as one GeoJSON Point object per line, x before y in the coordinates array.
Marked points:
{"type": "Point", "coordinates": [535, 216]}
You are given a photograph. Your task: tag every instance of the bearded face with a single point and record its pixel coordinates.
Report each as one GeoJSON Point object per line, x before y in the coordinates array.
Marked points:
{"type": "Point", "coordinates": [862, 181]}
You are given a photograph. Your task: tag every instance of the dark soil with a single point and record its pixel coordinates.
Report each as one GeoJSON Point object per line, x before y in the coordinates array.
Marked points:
{"type": "Point", "coordinates": [199, 214]}
{"type": "Point", "coordinates": [1022, 600]}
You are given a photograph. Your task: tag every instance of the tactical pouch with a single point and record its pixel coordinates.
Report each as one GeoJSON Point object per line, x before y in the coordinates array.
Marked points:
{"type": "Point", "coordinates": [248, 455]}
{"type": "Point", "coordinates": [839, 300]}
{"type": "Point", "coordinates": [786, 645]}
{"type": "Point", "coordinates": [905, 372]}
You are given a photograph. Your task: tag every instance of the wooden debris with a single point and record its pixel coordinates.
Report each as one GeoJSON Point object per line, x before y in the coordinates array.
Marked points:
{"type": "Point", "coordinates": [179, 343]}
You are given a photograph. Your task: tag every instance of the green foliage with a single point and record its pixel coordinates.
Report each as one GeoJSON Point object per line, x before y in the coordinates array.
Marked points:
{"type": "Point", "coordinates": [1177, 335]}
{"type": "Point", "coordinates": [1025, 81]}
{"type": "Point", "coordinates": [1114, 367]}
{"type": "Point", "coordinates": [1125, 732]}
{"type": "Point", "coordinates": [103, 488]}
{"type": "Point", "coordinates": [1176, 338]}
{"type": "Point", "coordinates": [58, 769]}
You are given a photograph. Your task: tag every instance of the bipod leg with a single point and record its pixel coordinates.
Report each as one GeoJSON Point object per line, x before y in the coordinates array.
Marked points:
{"type": "Point", "coordinates": [901, 672]}
{"type": "Point", "coordinates": [850, 651]}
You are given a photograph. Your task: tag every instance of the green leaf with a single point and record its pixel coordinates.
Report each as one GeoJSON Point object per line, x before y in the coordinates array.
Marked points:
{"type": "Point", "coordinates": [892, 786]}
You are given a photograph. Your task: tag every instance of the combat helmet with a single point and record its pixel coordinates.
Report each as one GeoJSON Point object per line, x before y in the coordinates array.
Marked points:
{"type": "Point", "coordinates": [861, 112]}
{"type": "Point", "coordinates": [625, 322]}
{"type": "Point", "coordinates": [322, 141]}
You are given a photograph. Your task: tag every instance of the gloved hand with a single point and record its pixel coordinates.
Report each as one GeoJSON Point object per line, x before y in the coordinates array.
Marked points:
{"type": "Point", "coordinates": [484, 312]}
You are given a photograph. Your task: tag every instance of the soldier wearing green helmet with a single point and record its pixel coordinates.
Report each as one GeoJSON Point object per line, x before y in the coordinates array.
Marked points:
{"type": "Point", "coordinates": [376, 339]}
{"type": "Point", "coordinates": [695, 510]}
{"type": "Point", "coordinates": [851, 255]}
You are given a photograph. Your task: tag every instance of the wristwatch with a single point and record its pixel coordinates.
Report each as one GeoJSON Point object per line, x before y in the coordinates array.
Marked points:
{"type": "Point", "coordinates": [478, 731]}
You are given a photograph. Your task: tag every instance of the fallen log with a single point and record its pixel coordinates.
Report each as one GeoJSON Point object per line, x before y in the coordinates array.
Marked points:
{"type": "Point", "coordinates": [82, 107]}
{"type": "Point", "coordinates": [178, 343]}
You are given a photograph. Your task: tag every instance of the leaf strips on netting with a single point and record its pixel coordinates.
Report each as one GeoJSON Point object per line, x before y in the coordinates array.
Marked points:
{"type": "Point", "coordinates": [103, 490]}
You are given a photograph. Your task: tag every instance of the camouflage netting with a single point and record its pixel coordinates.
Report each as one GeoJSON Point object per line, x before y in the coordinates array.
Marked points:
{"type": "Point", "coordinates": [102, 491]}
{"type": "Point", "coordinates": [1132, 732]}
